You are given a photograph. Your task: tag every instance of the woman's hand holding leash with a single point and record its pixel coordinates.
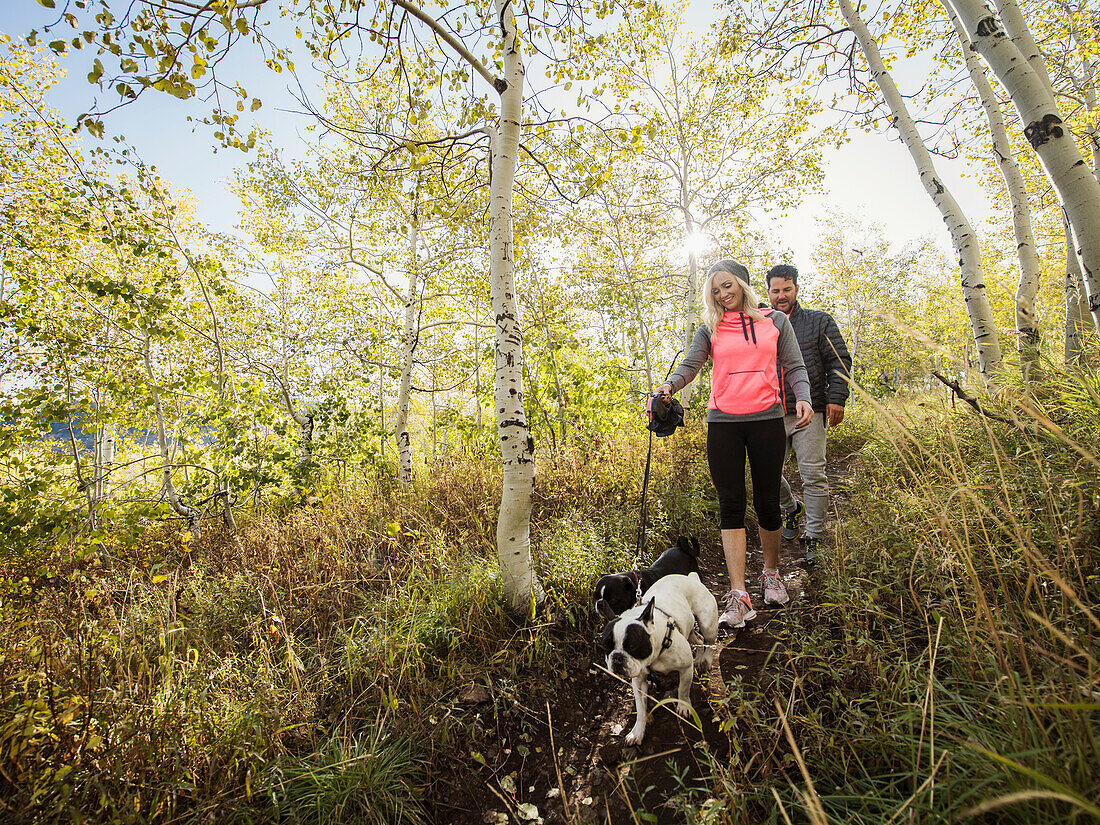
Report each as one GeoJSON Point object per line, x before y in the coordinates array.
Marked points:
{"type": "Point", "coordinates": [805, 414]}
{"type": "Point", "coordinates": [664, 389]}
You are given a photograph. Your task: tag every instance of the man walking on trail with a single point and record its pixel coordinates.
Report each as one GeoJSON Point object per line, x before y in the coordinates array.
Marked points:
{"type": "Point", "coordinates": [829, 366]}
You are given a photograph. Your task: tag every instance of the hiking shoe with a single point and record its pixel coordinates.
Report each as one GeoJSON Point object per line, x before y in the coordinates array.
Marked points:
{"type": "Point", "coordinates": [792, 520]}
{"type": "Point", "coordinates": [738, 609]}
{"type": "Point", "coordinates": [775, 592]}
{"type": "Point", "coordinates": [811, 546]}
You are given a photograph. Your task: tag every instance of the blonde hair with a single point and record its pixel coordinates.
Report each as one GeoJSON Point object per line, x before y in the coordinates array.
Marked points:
{"type": "Point", "coordinates": [712, 310]}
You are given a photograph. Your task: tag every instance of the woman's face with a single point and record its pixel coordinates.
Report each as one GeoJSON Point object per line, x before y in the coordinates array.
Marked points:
{"type": "Point", "coordinates": [727, 291]}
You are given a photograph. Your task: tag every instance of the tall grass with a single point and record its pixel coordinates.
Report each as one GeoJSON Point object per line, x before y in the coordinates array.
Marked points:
{"type": "Point", "coordinates": [943, 668]}
{"type": "Point", "coordinates": [307, 669]}
{"type": "Point", "coordinates": [949, 669]}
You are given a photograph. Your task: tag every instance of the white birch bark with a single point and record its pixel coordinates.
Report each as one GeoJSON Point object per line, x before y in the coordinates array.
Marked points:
{"type": "Point", "coordinates": [1016, 28]}
{"type": "Point", "coordinates": [561, 401]}
{"type": "Point", "coordinates": [104, 457]}
{"type": "Point", "coordinates": [690, 308]}
{"type": "Point", "coordinates": [382, 413]}
{"type": "Point", "coordinates": [1027, 328]}
{"type": "Point", "coordinates": [1092, 109]}
{"type": "Point", "coordinates": [223, 486]}
{"type": "Point", "coordinates": [187, 511]}
{"type": "Point", "coordinates": [517, 447]}
{"type": "Point", "coordinates": [1076, 185]}
{"type": "Point", "coordinates": [962, 235]}
{"type": "Point", "coordinates": [1077, 317]}
{"type": "Point", "coordinates": [408, 348]}
{"type": "Point", "coordinates": [303, 420]}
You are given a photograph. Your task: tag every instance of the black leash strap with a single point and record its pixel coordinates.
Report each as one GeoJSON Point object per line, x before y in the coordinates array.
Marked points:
{"type": "Point", "coordinates": [645, 489]}
{"type": "Point", "coordinates": [645, 507]}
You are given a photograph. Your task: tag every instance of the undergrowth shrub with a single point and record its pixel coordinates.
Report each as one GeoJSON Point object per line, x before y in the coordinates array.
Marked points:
{"type": "Point", "coordinates": [371, 778]}
{"type": "Point", "coordinates": [156, 676]}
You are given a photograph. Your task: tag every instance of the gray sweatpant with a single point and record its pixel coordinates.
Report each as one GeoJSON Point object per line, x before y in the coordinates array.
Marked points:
{"type": "Point", "coordinates": [809, 448]}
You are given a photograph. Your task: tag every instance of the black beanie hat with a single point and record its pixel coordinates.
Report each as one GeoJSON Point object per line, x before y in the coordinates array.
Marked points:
{"type": "Point", "coordinates": [733, 267]}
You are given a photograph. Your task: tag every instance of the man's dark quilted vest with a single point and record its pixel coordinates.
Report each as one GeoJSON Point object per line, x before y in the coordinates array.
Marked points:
{"type": "Point", "coordinates": [826, 356]}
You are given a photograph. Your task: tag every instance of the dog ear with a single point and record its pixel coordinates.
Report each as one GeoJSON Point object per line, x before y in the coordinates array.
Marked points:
{"type": "Point", "coordinates": [647, 614]}
{"type": "Point", "coordinates": [695, 547]}
{"type": "Point", "coordinates": [604, 609]}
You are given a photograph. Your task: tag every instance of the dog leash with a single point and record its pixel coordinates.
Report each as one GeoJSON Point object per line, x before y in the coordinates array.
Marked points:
{"type": "Point", "coordinates": [645, 488]}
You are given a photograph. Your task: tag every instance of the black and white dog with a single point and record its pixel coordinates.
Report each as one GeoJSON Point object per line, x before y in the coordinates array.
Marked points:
{"type": "Point", "coordinates": [616, 592]}
{"type": "Point", "coordinates": [657, 635]}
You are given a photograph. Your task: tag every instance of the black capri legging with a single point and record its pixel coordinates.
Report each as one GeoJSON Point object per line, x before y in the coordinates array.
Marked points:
{"type": "Point", "coordinates": [765, 443]}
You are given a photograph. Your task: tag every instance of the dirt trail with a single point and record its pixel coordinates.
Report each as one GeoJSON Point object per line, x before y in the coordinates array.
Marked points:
{"type": "Point", "coordinates": [588, 775]}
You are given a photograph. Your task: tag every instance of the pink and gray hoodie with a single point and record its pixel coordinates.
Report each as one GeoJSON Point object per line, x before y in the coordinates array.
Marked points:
{"type": "Point", "coordinates": [748, 357]}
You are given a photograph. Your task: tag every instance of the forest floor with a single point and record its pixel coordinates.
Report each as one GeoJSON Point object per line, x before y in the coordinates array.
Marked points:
{"type": "Point", "coordinates": [557, 754]}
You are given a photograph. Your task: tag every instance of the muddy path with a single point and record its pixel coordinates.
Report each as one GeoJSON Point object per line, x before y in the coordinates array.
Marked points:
{"type": "Point", "coordinates": [558, 756]}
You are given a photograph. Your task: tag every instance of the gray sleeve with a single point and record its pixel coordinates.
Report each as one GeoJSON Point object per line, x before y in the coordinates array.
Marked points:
{"type": "Point", "coordinates": [790, 358]}
{"type": "Point", "coordinates": [693, 360]}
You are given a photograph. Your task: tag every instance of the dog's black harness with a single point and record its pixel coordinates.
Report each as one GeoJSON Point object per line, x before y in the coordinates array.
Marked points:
{"type": "Point", "coordinates": [666, 643]}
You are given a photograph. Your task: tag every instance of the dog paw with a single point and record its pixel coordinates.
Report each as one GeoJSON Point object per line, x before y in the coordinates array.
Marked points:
{"type": "Point", "coordinates": [635, 737]}
{"type": "Point", "coordinates": [684, 709]}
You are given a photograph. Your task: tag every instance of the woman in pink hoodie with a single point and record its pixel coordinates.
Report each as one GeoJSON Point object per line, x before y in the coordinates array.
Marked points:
{"type": "Point", "coordinates": [752, 350]}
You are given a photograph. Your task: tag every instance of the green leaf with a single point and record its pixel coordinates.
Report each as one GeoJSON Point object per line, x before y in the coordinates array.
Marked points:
{"type": "Point", "coordinates": [47, 3]}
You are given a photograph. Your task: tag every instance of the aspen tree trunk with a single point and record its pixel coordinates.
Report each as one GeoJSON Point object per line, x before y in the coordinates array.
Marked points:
{"type": "Point", "coordinates": [1092, 110]}
{"type": "Point", "coordinates": [1076, 185]}
{"type": "Point", "coordinates": [517, 447]}
{"type": "Point", "coordinates": [104, 457]}
{"type": "Point", "coordinates": [962, 235]}
{"type": "Point", "coordinates": [382, 413]}
{"type": "Point", "coordinates": [561, 400]}
{"type": "Point", "coordinates": [1091, 107]}
{"type": "Point", "coordinates": [227, 506]}
{"type": "Point", "coordinates": [83, 484]}
{"type": "Point", "coordinates": [477, 382]}
{"type": "Point", "coordinates": [435, 420]}
{"type": "Point", "coordinates": [1016, 28]}
{"type": "Point", "coordinates": [303, 420]}
{"type": "Point", "coordinates": [1027, 329]}
{"type": "Point", "coordinates": [1077, 317]}
{"type": "Point", "coordinates": [636, 304]}
{"type": "Point", "coordinates": [690, 308]}
{"type": "Point", "coordinates": [401, 425]}
{"type": "Point", "coordinates": [187, 511]}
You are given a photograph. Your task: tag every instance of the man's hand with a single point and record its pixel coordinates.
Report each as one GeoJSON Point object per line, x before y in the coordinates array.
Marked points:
{"type": "Point", "coordinates": [835, 414]}
{"type": "Point", "coordinates": [805, 414]}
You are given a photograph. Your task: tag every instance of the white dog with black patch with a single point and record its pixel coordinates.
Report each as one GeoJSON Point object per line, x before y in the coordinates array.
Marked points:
{"type": "Point", "coordinates": [657, 636]}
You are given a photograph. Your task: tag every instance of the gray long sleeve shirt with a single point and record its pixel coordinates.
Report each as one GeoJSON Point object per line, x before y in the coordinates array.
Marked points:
{"type": "Point", "coordinates": [787, 355]}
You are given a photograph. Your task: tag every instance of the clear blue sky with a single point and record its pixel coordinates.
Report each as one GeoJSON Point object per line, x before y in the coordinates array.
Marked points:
{"type": "Point", "coordinates": [156, 124]}
{"type": "Point", "coordinates": [872, 175]}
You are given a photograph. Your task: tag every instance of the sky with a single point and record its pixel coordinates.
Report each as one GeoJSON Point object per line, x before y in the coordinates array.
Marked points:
{"type": "Point", "coordinates": [871, 176]}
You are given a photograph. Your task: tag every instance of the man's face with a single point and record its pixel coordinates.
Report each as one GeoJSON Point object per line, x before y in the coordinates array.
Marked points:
{"type": "Point", "coordinates": [782, 293]}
